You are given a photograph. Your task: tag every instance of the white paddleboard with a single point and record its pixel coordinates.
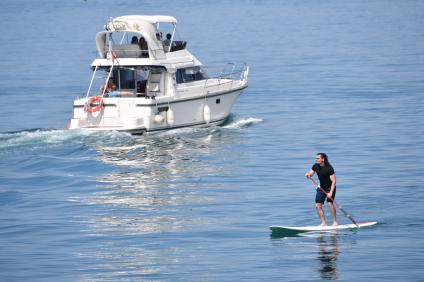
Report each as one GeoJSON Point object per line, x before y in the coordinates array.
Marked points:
{"type": "Point", "coordinates": [299, 229]}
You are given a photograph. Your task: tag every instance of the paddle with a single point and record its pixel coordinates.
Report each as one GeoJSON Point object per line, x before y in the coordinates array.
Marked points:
{"type": "Point", "coordinates": [334, 201]}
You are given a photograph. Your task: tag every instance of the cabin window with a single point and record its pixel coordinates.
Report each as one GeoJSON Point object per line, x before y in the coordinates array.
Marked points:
{"type": "Point", "coordinates": [190, 74]}
{"type": "Point", "coordinates": [125, 78]}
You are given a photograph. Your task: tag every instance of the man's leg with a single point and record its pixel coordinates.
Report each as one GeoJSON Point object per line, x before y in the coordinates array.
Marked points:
{"type": "Point", "coordinates": [318, 207]}
{"type": "Point", "coordinates": [333, 213]}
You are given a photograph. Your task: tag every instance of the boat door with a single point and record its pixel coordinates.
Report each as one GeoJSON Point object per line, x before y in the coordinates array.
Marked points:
{"type": "Point", "coordinates": [155, 84]}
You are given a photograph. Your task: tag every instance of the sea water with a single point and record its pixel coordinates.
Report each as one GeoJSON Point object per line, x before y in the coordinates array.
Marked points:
{"type": "Point", "coordinates": [341, 77]}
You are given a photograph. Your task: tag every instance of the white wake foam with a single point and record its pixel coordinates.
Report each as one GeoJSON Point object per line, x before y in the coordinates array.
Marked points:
{"type": "Point", "coordinates": [243, 122]}
{"type": "Point", "coordinates": [44, 137]}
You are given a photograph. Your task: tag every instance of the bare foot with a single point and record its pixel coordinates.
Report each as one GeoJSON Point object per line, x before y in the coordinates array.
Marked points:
{"type": "Point", "coordinates": [335, 223]}
{"type": "Point", "coordinates": [323, 224]}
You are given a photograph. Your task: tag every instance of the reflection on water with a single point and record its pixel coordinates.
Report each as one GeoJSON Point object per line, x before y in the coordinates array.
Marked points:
{"type": "Point", "coordinates": [299, 245]}
{"type": "Point", "coordinates": [327, 255]}
{"type": "Point", "coordinates": [157, 179]}
{"type": "Point", "coordinates": [157, 184]}
{"type": "Point", "coordinates": [117, 262]}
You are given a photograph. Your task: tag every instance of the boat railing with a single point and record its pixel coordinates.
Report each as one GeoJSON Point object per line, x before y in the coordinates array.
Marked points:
{"type": "Point", "coordinates": [229, 75]}
{"type": "Point", "coordinates": [227, 71]}
{"type": "Point", "coordinates": [231, 71]}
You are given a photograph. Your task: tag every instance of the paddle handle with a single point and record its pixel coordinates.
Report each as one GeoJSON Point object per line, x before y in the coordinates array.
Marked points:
{"type": "Point", "coordinates": [334, 201]}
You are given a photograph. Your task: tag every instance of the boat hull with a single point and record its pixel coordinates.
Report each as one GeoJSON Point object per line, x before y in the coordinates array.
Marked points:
{"type": "Point", "coordinates": [138, 115]}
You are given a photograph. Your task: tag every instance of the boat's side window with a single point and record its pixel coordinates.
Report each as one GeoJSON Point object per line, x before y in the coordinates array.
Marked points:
{"type": "Point", "coordinates": [190, 74]}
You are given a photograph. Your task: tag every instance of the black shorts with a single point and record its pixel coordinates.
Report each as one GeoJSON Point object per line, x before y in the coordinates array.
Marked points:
{"type": "Point", "coordinates": [320, 196]}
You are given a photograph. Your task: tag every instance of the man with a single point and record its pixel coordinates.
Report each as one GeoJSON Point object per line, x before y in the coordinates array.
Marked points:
{"type": "Point", "coordinates": [327, 179]}
{"type": "Point", "coordinates": [167, 42]}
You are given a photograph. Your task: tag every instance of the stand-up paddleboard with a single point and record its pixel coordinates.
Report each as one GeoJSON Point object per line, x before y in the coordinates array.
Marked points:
{"type": "Point", "coordinates": [295, 230]}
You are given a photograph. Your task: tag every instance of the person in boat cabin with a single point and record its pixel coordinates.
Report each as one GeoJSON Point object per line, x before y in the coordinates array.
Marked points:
{"type": "Point", "coordinates": [141, 88]}
{"type": "Point", "coordinates": [167, 41]}
{"type": "Point", "coordinates": [134, 40]}
{"type": "Point", "coordinates": [327, 179]}
{"type": "Point", "coordinates": [143, 47]}
{"type": "Point", "coordinates": [109, 87]}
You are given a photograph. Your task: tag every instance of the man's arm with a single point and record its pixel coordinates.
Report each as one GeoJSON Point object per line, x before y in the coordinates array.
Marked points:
{"type": "Point", "coordinates": [333, 183]}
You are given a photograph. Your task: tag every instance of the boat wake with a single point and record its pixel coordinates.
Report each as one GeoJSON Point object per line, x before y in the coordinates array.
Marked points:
{"type": "Point", "coordinates": [236, 122]}
{"type": "Point", "coordinates": [30, 137]}
{"type": "Point", "coordinates": [40, 138]}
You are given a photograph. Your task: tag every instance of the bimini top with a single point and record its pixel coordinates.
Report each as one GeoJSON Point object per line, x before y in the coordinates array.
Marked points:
{"type": "Point", "coordinates": [155, 53]}
{"type": "Point", "coordinates": [142, 24]}
{"type": "Point", "coordinates": [136, 23]}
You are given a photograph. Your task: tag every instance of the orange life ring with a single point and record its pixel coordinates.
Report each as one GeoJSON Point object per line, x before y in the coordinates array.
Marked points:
{"type": "Point", "coordinates": [94, 104]}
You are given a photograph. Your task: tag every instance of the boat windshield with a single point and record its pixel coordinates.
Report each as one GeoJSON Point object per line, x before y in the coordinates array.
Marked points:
{"type": "Point", "coordinates": [170, 38]}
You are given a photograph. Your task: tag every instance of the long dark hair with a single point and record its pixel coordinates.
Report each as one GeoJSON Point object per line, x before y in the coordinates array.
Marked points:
{"type": "Point", "coordinates": [324, 156]}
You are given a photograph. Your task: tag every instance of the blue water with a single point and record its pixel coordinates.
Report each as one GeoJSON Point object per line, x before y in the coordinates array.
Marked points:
{"type": "Point", "coordinates": [342, 77]}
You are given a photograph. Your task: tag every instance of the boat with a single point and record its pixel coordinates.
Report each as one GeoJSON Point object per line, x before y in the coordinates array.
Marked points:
{"type": "Point", "coordinates": [142, 82]}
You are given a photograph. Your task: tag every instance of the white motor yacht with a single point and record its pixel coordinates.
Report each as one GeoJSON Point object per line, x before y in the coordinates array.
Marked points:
{"type": "Point", "coordinates": [144, 79]}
